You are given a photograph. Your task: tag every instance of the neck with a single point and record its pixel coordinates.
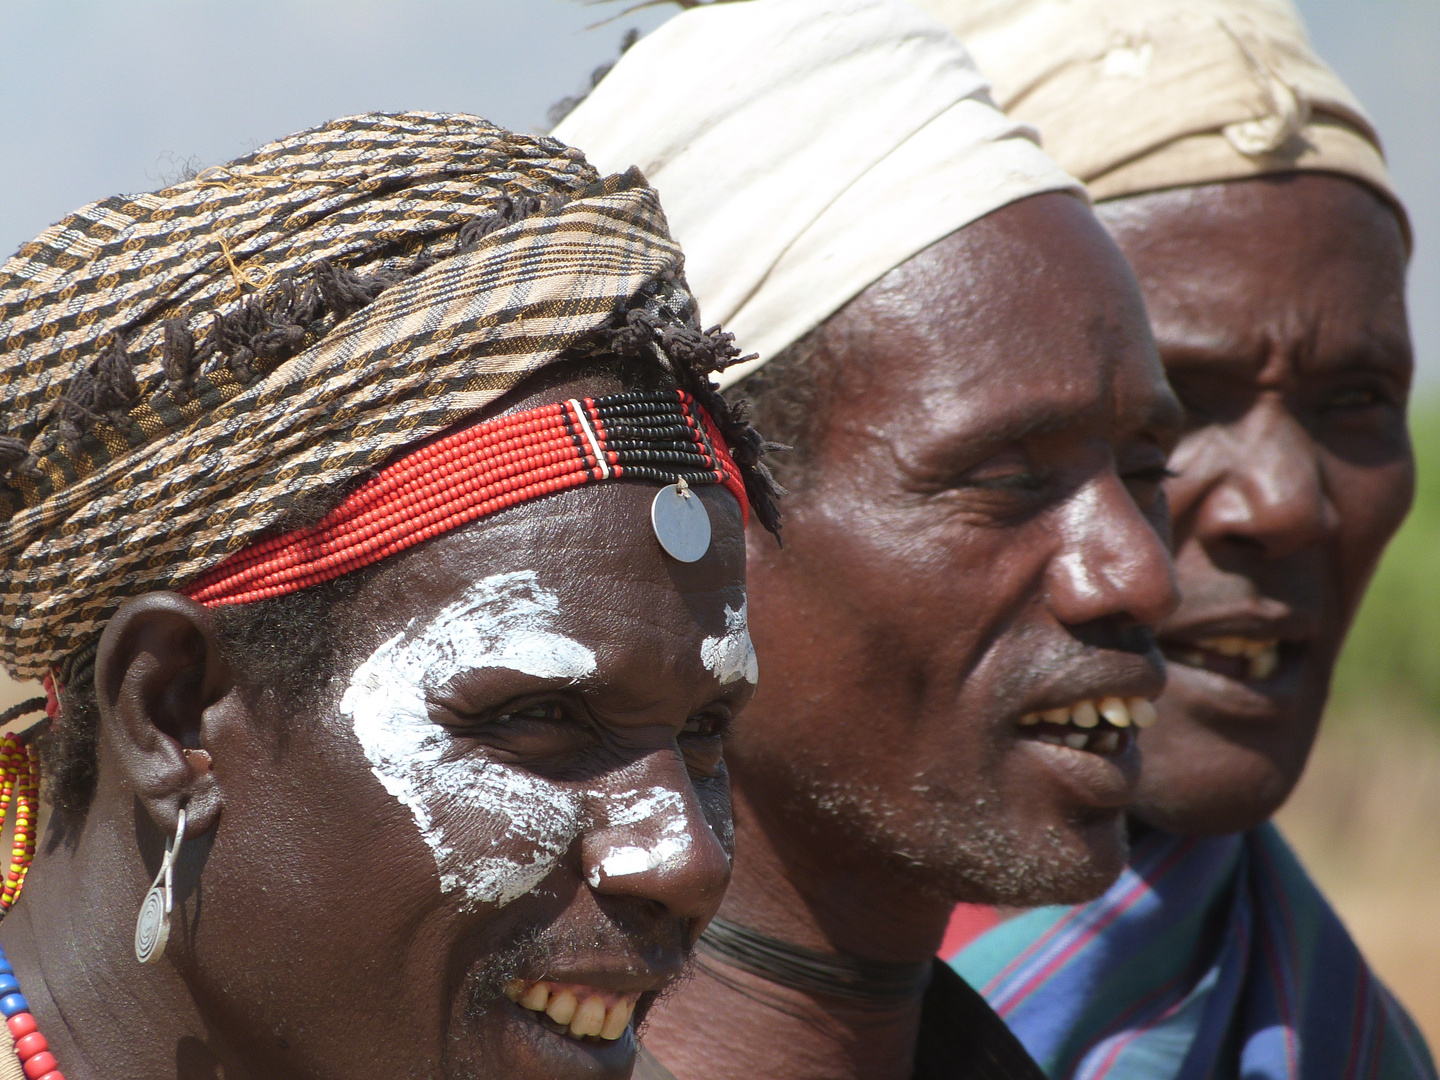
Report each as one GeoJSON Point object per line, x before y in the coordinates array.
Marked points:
{"type": "Point", "coordinates": [788, 884]}
{"type": "Point", "coordinates": [70, 939]}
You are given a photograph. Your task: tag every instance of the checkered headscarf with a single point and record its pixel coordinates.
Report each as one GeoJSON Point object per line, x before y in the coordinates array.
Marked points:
{"type": "Point", "coordinates": [180, 367]}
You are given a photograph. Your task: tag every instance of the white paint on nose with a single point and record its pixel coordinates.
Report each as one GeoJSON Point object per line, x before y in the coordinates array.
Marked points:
{"type": "Point", "coordinates": [664, 811]}
{"type": "Point", "coordinates": [731, 656]}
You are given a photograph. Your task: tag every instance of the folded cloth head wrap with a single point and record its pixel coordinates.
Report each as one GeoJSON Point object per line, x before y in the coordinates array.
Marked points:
{"type": "Point", "coordinates": [1138, 95]}
{"type": "Point", "coordinates": [803, 148]}
{"type": "Point", "coordinates": [181, 369]}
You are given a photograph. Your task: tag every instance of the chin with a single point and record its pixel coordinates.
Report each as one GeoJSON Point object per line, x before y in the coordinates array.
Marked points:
{"type": "Point", "coordinates": [1249, 796]}
{"type": "Point", "coordinates": [968, 858]}
{"type": "Point", "coordinates": [508, 1042]}
{"type": "Point", "coordinates": [1198, 780]}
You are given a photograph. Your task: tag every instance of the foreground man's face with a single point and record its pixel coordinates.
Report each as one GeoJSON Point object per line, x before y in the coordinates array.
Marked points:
{"type": "Point", "coordinates": [982, 539]}
{"type": "Point", "coordinates": [515, 814]}
{"type": "Point", "coordinates": [1279, 310]}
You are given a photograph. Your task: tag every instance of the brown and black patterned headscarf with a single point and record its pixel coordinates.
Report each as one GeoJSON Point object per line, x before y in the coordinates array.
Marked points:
{"type": "Point", "coordinates": [179, 368]}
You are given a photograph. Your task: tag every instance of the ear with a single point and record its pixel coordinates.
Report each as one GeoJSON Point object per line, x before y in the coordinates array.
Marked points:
{"type": "Point", "coordinates": [158, 669]}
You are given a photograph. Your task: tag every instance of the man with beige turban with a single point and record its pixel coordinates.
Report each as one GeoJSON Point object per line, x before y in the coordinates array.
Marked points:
{"type": "Point", "coordinates": [1246, 186]}
{"type": "Point", "coordinates": [975, 533]}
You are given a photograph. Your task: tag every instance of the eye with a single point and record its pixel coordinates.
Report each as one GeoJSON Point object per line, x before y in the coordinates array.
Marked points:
{"type": "Point", "coordinates": [540, 710]}
{"type": "Point", "coordinates": [1007, 472]}
{"type": "Point", "coordinates": [702, 742]}
{"type": "Point", "coordinates": [1144, 474]}
{"type": "Point", "coordinates": [707, 726]}
{"type": "Point", "coordinates": [525, 731]}
{"type": "Point", "coordinates": [1356, 397]}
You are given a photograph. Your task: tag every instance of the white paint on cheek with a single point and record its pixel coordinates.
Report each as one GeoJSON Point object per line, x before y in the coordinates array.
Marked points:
{"type": "Point", "coordinates": [732, 656]}
{"type": "Point", "coordinates": [664, 811]}
{"type": "Point", "coordinates": [503, 621]}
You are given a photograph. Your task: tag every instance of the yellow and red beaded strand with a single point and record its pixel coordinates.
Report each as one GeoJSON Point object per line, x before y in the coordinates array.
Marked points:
{"type": "Point", "coordinates": [21, 772]}
{"type": "Point", "coordinates": [20, 785]}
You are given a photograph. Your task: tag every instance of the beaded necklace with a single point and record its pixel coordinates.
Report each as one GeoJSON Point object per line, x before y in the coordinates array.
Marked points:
{"type": "Point", "coordinates": [30, 1057]}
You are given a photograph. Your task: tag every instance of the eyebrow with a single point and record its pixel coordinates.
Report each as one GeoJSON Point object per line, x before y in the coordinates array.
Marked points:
{"type": "Point", "coordinates": [1386, 352]}
{"type": "Point", "coordinates": [977, 442]}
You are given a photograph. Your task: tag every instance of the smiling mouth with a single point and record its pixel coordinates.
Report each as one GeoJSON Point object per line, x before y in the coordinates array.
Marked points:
{"type": "Point", "coordinates": [1244, 659]}
{"type": "Point", "coordinates": [1101, 727]}
{"type": "Point", "coordinates": [575, 1011]}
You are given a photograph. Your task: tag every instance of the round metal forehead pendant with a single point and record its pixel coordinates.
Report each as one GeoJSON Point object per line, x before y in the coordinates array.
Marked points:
{"type": "Point", "coordinates": [681, 522]}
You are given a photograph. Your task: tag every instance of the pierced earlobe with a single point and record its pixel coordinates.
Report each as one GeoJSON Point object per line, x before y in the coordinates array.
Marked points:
{"type": "Point", "coordinates": [152, 928]}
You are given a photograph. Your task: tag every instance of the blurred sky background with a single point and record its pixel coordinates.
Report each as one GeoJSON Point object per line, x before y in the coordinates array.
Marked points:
{"type": "Point", "coordinates": [99, 98]}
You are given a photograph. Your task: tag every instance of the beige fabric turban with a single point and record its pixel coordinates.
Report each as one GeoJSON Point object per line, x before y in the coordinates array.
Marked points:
{"type": "Point", "coordinates": [1139, 95]}
{"type": "Point", "coordinates": [803, 148]}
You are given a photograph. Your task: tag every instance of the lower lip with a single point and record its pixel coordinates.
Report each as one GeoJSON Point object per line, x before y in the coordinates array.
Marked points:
{"type": "Point", "coordinates": [1091, 780]}
{"type": "Point", "coordinates": [565, 1056]}
{"type": "Point", "coordinates": [1227, 698]}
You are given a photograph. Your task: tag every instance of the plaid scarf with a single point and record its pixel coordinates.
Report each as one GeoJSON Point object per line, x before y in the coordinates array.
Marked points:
{"type": "Point", "coordinates": [180, 368]}
{"type": "Point", "coordinates": [1212, 958]}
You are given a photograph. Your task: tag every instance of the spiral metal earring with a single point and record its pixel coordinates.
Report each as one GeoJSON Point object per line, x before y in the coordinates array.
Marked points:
{"type": "Point", "coordinates": [152, 928]}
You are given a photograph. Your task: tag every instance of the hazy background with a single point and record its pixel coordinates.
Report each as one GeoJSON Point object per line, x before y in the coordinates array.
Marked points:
{"type": "Point", "coordinates": [119, 96]}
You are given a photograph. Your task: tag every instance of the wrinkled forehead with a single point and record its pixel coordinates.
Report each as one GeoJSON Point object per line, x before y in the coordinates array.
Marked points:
{"type": "Point", "coordinates": [1024, 322]}
{"type": "Point", "coordinates": [1228, 266]}
{"type": "Point", "coordinates": [586, 563]}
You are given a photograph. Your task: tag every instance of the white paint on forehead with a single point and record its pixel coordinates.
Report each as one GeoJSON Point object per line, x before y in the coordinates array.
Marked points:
{"type": "Point", "coordinates": [732, 656]}
{"type": "Point", "coordinates": [663, 811]}
{"type": "Point", "coordinates": [503, 621]}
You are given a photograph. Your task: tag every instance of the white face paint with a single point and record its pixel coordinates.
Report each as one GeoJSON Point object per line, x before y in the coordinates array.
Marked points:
{"type": "Point", "coordinates": [503, 621]}
{"type": "Point", "coordinates": [732, 657]}
{"type": "Point", "coordinates": [665, 810]}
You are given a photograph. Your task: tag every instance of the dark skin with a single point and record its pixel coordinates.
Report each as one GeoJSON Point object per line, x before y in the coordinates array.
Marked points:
{"type": "Point", "coordinates": [983, 535]}
{"type": "Point", "coordinates": [1279, 309]}
{"type": "Point", "coordinates": [312, 939]}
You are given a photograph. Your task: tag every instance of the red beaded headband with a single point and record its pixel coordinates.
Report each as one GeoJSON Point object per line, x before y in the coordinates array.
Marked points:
{"type": "Point", "coordinates": [650, 435]}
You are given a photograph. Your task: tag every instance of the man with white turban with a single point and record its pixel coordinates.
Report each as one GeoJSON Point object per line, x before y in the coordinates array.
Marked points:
{"type": "Point", "coordinates": [1246, 186]}
{"type": "Point", "coordinates": [957, 635]}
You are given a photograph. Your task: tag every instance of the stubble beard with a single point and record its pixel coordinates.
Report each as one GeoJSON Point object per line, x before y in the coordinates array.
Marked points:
{"type": "Point", "coordinates": [955, 847]}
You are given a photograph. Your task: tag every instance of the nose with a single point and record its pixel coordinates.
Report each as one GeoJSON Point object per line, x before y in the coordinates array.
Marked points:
{"type": "Point", "coordinates": [652, 841]}
{"type": "Point", "coordinates": [1262, 484]}
{"type": "Point", "coordinates": [1111, 563]}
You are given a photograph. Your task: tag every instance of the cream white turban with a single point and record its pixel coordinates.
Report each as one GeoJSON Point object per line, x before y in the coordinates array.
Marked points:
{"type": "Point", "coordinates": [1138, 95]}
{"type": "Point", "coordinates": [803, 148]}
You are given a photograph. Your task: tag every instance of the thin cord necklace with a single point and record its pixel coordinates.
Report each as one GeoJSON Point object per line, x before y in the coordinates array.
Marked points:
{"type": "Point", "coordinates": [835, 975]}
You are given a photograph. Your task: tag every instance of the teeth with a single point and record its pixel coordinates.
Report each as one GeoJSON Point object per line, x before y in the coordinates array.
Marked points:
{"type": "Point", "coordinates": [1114, 710]}
{"type": "Point", "coordinates": [1262, 655]}
{"type": "Point", "coordinates": [589, 1017]}
{"type": "Point", "coordinates": [1263, 665]}
{"type": "Point", "coordinates": [537, 997]}
{"type": "Point", "coordinates": [1249, 648]}
{"type": "Point", "coordinates": [1142, 712]}
{"type": "Point", "coordinates": [1117, 712]}
{"type": "Point", "coordinates": [562, 1007]}
{"type": "Point", "coordinates": [617, 1019]}
{"type": "Point", "coordinates": [581, 1018]}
